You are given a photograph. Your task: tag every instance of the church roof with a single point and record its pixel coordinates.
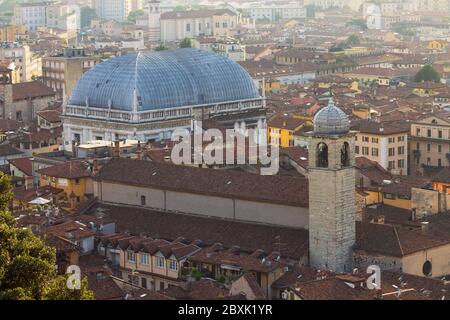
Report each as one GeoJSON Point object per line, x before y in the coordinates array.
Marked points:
{"type": "Point", "coordinates": [165, 79]}
{"type": "Point", "coordinates": [331, 120]}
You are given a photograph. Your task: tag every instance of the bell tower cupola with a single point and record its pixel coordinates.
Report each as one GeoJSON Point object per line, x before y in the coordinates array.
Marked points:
{"type": "Point", "coordinates": [331, 177]}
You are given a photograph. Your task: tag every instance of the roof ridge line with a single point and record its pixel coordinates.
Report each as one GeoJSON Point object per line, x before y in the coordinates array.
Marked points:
{"type": "Point", "coordinates": [398, 240]}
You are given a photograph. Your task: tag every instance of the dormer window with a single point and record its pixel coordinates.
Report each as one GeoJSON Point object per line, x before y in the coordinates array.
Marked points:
{"type": "Point", "coordinates": [160, 262]}
{"type": "Point", "coordinates": [131, 256]}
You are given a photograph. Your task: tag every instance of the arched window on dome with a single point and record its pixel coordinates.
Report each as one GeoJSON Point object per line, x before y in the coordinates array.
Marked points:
{"type": "Point", "coordinates": [345, 154]}
{"type": "Point", "coordinates": [322, 155]}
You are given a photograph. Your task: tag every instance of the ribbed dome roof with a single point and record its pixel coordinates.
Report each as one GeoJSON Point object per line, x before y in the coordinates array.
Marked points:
{"type": "Point", "coordinates": [331, 120]}
{"type": "Point", "coordinates": [165, 79]}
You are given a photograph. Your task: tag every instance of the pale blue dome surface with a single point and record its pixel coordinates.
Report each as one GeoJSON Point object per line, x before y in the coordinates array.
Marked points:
{"type": "Point", "coordinates": [331, 120]}
{"type": "Point", "coordinates": [164, 79]}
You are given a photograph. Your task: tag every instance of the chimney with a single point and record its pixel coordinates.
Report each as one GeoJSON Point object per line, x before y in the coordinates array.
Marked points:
{"type": "Point", "coordinates": [424, 226]}
{"type": "Point", "coordinates": [74, 149]}
{"type": "Point", "coordinates": [379, 219]}
{"type": "Point", "coordinates": [139, 151]}
{"type": "Point", "coordinates": [94, 166]}
{"type": "Point", "coordinates": [117, 149]}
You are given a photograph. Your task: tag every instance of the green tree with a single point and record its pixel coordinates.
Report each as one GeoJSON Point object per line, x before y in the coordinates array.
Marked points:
{"type": "Point", "coordinates": [161, 47]}
{"type": "Point", "coordinates": [427, 73]}
{"type": "Point", "coordinates": [133, 15]}
{"type": "Point", "coordinates": [186, 43]}
{"type": "Point", "coordinates": [27, 264]}
{"type": "Point", "coordinates": [405, 29]}
{"type": "Point", "coordinates": [179, 8]}
{"type": "Point", "coordinates": [353, 40]}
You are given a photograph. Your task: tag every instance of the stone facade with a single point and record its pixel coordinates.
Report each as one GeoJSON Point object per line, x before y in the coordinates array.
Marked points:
{"type": "Point", "coordinates": [428, 202]}
{"type": "Point", "coordinates": [332, 210]}
{"type": "Point", "coordinates": [201, 204]}
{"type": "Point", "coordinates": [23, 109]}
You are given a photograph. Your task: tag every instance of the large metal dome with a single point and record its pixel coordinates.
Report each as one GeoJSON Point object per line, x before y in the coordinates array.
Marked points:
{"type": "Point", "coordinates": [331, 120]}
{"type": "Point", "coordinates": [165, 79]}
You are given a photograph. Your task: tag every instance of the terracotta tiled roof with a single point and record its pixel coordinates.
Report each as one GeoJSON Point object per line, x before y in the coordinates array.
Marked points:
{"type": "Point", "coordinates": [204, 289]}
{"type": "Point", "coordinates": [285, 122]}
{"type": "Point", "coordinates": [332, 288]}
{"type": "Point", "coordinates": [216, 254]}
{"type": "Point", "coordinates": [7, 150]}
{"type": "Point", "coordinates": [9, 125]}
{"type": "Point", "coordinates": [372, 170]}
{"type": "Point", "coordinates": [196, 14]}
{"type": "Point", "coordinates": [399, 241]}
{"type": "Point", "coordinates": [296, 275]}
{"type": "Point", "coordinates": [253, 284]}
{"type": "Point", "coordinates": [33, 89]}
{"type": "Point", "coordinates": [68, 170]}
{"type": "Point", "coordinates": [222, 183]}
{"type": "Point", "coordinates": [373, 127]}
{"type": "Point", "coordinates": [52, 116]}
{"type": "Point", "coordinates": [296, 154]}
{"type": "Point", "coordinates": [60, 244]}
{"type": "Point", "coordinates": [23, 164]}
{"type": "Point", "coordinates": [443, 176]}
{"type": "Point", "coordinates": [71, 230]}
{"type": "Point", "coordinates": [249, 237]}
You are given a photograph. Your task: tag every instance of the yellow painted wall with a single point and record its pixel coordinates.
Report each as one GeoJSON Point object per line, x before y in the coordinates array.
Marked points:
{"type": "Point", "coordinates": [436, 45]}
{"type": "Point", "coordinates": [78, 189]}
{"type": "Point", "coordinates": [284, 136]}
{"type": "Point", "coordinates": [439, 186]}
{"type": "Point", "coordinates": [375, 197]}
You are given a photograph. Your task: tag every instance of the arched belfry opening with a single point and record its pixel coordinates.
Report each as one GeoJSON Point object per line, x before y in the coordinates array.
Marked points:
{"type": "Point", "coordinates": [345, 154]}
{"type": "Point", "coordinates": [322, 155]}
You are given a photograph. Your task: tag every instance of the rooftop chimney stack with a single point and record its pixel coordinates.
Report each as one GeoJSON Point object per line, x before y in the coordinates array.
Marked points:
{"type": "Point", "coordinates": [425, 226]}
{"type": "Point", "coordinates": [117, 149]}
{"type": "Point", "coordinates": [94, 166]}
{"type": "Point", "coordinates": [139, 151]}
{"type": "Point", "coordinates": [74, 149]}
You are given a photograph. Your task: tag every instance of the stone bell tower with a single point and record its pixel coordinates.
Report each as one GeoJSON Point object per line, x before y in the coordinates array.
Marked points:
{"type": "Point", "coordinates": [331, 175]}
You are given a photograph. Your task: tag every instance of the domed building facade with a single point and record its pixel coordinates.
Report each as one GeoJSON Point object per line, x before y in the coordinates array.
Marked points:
{"type": "Point", "coordinates": [146, 96]}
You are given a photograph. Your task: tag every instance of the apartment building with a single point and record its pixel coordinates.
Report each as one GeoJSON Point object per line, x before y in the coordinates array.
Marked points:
{"type": "Point", "coordinates": [61, 73]}
{"type": "Point", "coordinates": [117, 10]}
{"type": "Point", "coordinates": [282, 130]}
{"type": "Point", "coordinates": [11, 33]}
{"type": "Point", "coordinates": [384, 143]}
{"type": "Point", "coordinates": [47, 14]}
{"type": "Point", "coordinates": [28, 63]}
{"type": "Point", "coordinates": [275, 12]}
{"type": "Point", "coordinates": [63, 17]}
{"type": "Point", "coordinates": [153, 264]}
{"type": "Point", "coordinates": [178, 25]}
{"type": "Point", "coordinates": [434, 6]}
{"type": "Point", "coordinates": [430, 144]}
{"type": "Point", "coordinates": [32, 15]}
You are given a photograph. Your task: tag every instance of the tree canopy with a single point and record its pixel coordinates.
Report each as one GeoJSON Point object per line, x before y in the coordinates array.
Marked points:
{"type": "Point", "coordinates": [27, 264]}
{"type": "Point", "coordinates": [133, 15]}
{"type": "Point", "coordinates": [427, 73]}
{"type": "Point", "coordinates": [161, 47]}
{"type": "Point", "coordinates": [353, 40]}
{"type": "Point", "coordinates": [186, 43]}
